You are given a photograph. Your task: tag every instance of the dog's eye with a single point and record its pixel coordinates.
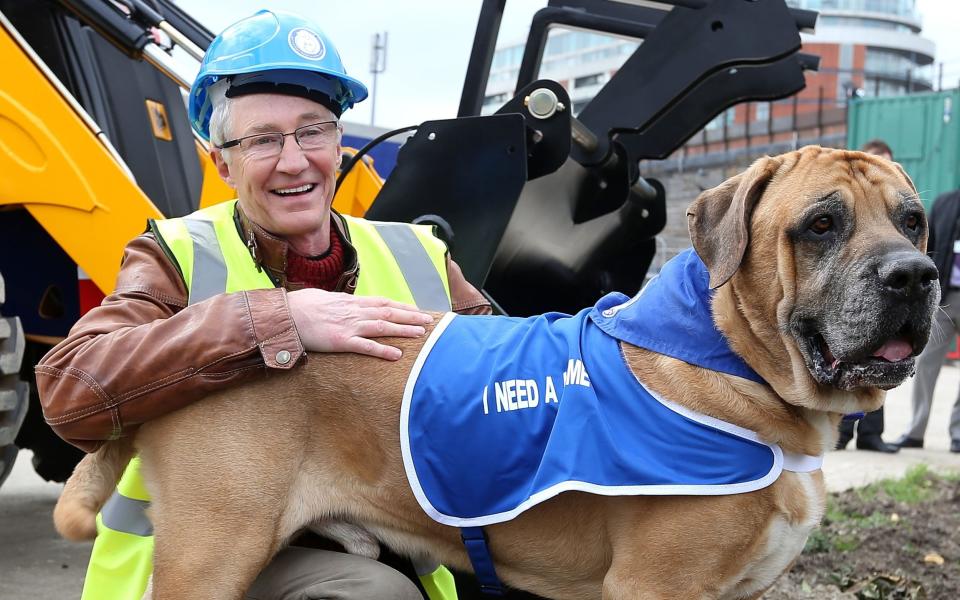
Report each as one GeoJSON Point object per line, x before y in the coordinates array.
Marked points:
{"type": "Point", "coordinates": [912, 222]}
{"type": "Point", "coordinates": [822, 224]}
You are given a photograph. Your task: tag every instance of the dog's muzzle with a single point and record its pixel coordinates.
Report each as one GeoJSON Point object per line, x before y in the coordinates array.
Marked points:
{"type": "Point", "coordinates": [873, 333]}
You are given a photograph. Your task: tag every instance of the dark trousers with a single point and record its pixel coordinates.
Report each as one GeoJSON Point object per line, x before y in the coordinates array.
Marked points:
{"type": "Point", "coordinates": [870, 424]}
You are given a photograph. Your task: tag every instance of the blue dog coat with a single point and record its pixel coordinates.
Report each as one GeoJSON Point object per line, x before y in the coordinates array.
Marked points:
{"type": "Point", "coordinates": [500, 414]}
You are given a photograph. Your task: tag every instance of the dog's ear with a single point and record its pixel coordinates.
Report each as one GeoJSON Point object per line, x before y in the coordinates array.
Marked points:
{"type": "Point", "coordinates": [719, 219]}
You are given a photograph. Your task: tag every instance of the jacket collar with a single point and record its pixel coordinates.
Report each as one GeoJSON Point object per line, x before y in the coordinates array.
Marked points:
{"type": "Point", "coordinates": [269, 251]}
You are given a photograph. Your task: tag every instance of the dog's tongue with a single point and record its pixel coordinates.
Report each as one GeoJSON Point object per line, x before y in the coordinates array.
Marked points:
{"type": "Point", "coordinates": [894, 350]}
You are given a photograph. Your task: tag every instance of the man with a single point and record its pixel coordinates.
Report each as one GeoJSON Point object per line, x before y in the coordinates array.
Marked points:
{"type": "Point", "coordinates": [243, 289]}
{"type": "Point", "coordinates": [870, 426]}
{"type": "Point", "coordinates": [944, 243]}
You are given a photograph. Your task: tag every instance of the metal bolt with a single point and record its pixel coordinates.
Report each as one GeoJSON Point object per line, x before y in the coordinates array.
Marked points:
{"type": "Point", "coordinates": [542, 103]}
{"type": "Point", "coordinates": [432, 136]}
{"type": "Point", "coordinates": [536, 136]}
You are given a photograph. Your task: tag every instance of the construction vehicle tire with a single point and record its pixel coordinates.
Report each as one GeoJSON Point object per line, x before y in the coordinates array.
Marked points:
{"type": "Point", "coordinates": [53, 458]}
{"type": "Point", "coordinates": [14, 392]}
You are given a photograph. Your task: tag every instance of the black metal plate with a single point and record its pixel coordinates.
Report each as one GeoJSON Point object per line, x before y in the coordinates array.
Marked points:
{"type": "Point", "coordinates": [469, 172]}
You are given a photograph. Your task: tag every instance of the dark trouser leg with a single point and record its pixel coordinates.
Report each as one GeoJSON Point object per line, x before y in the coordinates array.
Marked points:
{"type": "Point", "coordinates": [871, 423]}
{"type": "Point", "coordinates": [846, 433]}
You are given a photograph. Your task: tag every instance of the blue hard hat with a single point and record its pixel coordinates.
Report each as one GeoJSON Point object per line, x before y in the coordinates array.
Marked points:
{"type": "Point", "coordinates": [275, 52]}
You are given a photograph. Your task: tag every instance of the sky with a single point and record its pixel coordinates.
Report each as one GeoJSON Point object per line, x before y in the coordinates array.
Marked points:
{"type": "Point", "coordinates": [941, 23]}
{"type": "Point", "coordinates": [429, 43]}
{"type": "Point", "coordinates": [428, 47]}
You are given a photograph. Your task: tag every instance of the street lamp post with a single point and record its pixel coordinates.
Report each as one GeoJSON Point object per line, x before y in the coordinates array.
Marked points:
{"type": "Point", "coordinates": [378, 64]}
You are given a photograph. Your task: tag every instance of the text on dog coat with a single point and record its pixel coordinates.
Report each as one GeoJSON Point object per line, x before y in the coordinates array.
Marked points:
{"type": "Point", "coordinates": [517, 394]}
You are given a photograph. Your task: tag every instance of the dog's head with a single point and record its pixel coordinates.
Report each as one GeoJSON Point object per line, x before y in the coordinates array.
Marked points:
{"type": "Point", "coordinates": [824, 284]}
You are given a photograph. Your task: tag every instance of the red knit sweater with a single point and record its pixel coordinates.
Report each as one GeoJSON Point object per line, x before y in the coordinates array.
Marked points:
{"type": "Point", "coordinates": [322, 271]}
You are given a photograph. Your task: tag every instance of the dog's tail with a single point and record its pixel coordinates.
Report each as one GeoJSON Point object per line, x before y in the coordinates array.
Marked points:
{"type": "Point", "coordinates": [88, 489]}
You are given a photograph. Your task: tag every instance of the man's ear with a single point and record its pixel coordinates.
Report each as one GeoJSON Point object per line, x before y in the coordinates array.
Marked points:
{"type": "Point", "coordinates": [223, 169]}
{"type": "Point", "coordinates": [719, 219]}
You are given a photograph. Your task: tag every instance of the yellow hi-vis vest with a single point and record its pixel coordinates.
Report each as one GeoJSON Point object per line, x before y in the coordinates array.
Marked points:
{"type": "Point", "coordinates": [402, 262]}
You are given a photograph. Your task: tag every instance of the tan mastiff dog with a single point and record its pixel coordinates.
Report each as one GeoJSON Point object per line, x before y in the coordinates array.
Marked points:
{"type": "Point", "coordinates": [823, 288]}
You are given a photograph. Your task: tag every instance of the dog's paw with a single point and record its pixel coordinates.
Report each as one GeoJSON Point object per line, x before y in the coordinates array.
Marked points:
{"type": "Point", "coordinates": [354, 539]}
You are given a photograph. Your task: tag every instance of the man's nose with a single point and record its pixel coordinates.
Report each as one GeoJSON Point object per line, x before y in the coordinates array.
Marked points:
{"type": "Point", "coordinates": [292, 158]}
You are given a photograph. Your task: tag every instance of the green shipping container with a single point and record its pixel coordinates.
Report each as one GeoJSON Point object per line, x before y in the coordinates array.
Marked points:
{"type": "Point", "coordinates": [921, 129]}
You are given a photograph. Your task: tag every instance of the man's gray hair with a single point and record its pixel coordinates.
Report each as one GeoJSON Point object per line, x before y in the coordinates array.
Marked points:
{"type": "Point", "coordinates": [220, 115]}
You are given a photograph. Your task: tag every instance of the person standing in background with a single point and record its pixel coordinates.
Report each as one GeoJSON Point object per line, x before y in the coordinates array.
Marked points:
{"type": "Point", "coordinates": [944, 246]}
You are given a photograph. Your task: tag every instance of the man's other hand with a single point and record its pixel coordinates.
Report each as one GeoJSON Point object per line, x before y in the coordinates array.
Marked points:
{"type": "Point", "coordinates": [338, 322]}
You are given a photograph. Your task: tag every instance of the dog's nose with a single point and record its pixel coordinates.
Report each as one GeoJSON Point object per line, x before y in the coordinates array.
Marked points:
{"type": "Point", "coordinates": [908, 274]}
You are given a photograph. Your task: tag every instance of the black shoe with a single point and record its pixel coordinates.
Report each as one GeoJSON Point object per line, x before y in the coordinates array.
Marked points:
{"type": "Point", "coordinates": [874, 443]}
{"type": "Point", "coordinates": [906, 441]}
{"type": "Point", "coordinates": [954, 445]}
{"type": "Point", "coordinates": [842, 442]}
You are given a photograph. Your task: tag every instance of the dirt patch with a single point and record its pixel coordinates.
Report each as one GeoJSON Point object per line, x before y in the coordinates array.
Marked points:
{"type": "Point", "coordinates": [894, 540]}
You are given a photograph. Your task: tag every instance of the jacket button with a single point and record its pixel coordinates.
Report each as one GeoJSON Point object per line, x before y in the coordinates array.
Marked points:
{"type": "Point", "coordinates": [283, 357]}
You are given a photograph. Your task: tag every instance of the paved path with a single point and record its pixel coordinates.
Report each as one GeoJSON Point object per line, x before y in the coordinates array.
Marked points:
{"type": "Point", "coordinates": [36, 564]}
{"type": "Point", "coordinates": [854, 468]}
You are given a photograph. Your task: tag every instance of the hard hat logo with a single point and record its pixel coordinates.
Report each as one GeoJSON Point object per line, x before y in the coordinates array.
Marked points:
{"type": "Point", "coordinates": [306, 43]}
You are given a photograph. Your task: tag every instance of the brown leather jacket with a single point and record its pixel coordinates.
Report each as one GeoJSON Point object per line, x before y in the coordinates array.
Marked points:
{"type": "Point", "coordinates": [144, 353]}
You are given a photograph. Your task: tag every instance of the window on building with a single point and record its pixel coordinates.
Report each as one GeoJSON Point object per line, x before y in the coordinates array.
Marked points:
{"type": "Point", "coordinates": [578, 105]}
{"type": "Point", "coordinates": [761, 111]}
{"type": "Point", "coordinates": [588, 80]}
{"type": "Point", "coordinates": [717, 121]}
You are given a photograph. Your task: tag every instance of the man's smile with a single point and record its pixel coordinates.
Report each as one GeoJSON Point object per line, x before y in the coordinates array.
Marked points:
{"type": "Point", "coordinates": [295, 190]}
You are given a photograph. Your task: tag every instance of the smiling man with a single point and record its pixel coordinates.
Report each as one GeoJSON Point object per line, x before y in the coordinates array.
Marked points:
{"type": "Point", "coordinates": [244, 289]}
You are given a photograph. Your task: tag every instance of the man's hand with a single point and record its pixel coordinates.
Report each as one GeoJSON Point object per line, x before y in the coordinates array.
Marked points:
{"type": "Point", "coordinates": [337, 322]}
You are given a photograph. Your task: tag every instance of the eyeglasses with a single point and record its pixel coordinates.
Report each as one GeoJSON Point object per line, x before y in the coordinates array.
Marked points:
{"type": "Point", "coordinates": [315, 136]}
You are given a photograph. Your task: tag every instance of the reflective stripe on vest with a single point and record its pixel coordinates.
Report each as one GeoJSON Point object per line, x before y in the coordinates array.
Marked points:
{"type": "Point", "coordinates": [207, 260]}
{"type": "Point", "coordinates": [409, 261]}
{"type": "Point", "coordinates": [127, 515]}
{"type": "Point", "coordinates": [210, 255]}
{"type": "Point", "coordinates": [402, 262]}
{"type": "Point", "coordinates": [122, 557]}
{"type": "Point", "coordinates": [414, 262]}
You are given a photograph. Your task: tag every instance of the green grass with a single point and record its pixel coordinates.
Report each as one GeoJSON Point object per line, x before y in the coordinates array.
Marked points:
{"type": "Point", "coordinates": [913, 488]}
